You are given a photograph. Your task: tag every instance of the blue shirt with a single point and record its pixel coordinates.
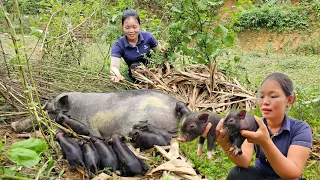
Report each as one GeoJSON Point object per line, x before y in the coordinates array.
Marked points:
{"type": "Point", "coordinates": [123, 49]}
{"type": "Point", "coordinates": [292, 132]}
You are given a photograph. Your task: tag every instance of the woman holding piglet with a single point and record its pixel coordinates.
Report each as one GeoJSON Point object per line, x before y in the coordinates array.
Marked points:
{"type": "Point", "coordinates": [285, 143]}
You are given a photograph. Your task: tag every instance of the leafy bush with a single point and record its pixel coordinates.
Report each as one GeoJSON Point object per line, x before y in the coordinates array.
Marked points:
{"type": "Point", "coordinates": [193, 34]}
{"type": "Point", "coordinates": [27, 152]}
{"type": "Point", "coordinates": [315, 6]}
{"type": "Point", "coordinates": [26, 7]}
{"type": "Point", "coordinates": [273, 17]}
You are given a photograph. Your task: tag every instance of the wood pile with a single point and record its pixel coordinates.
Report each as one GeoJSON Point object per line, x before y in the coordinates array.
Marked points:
{"type": "Point", "coordinates": [203, 88]}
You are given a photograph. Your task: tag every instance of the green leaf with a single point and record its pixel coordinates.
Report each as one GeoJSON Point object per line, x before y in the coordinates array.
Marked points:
{"type": "Point", "coordinates": [228, 41]}
{"type": "Point", "coordinates": [42, 3]}
{"type": "Point", "coordinates": [201, 60]}
{"type": "Point", "coordinates": [23, 156]}
{"type": "Point", "coordinates": [223, 29]}
{"type": "Point", "coordinates": [212, 3]}
{"type": "Point", "coordinates": [175, 9]}
{"type": "Point", "coordinates": [32, 104]}
{"type": "Point", "coordinates": [202, 4]}
{"type": "Point", "coordinates": [114, 17]}
{"type": "Point", "coordinates": [6, 171]}
{"type": "Point", "coordinates": [236, 59]}
{"type": "Point", "coordinates": [37, 145]}
{"type": "Point", "coordinates": [240, 8]}
{"type": "Point", "coordinates": [50, 165]}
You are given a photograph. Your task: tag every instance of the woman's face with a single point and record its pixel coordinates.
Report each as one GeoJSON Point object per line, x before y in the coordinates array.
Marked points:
{"type": "Point", "coordinates": [131, 28]}
{"type": "Point", "coordinates": [273, 101]}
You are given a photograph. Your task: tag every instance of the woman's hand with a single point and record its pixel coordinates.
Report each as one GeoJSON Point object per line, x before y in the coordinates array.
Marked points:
{"type": "Point", "coordinates": [221, 138]}
{"type": "Point", "coordinates": [162, 48]}
{"type": "Point", "coordinates": [116, 78]}
{"type": "Point", "coordinates": [261, 136]}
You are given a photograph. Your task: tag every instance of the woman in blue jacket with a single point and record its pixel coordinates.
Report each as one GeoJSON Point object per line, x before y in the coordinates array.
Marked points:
{"type": "Point", "coordinates": [132, 47]}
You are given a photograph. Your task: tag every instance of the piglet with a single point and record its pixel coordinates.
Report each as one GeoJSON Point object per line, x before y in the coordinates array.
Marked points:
{"type": "Point", "coordinates": [91, 157]}
{"type": "Point", "coordinates": [70, 150]}
{"type": "Point", "coordinates": [146, 127]}
{"type": "Point", "coordinates": [146, 140]}
{"type": "Point", "coordinates": [108, 158]}
{"type": "Point", "coordinates": [233, 123]}
{"type": "Point", "coordinates": [131, 165]}
{"type": "Point", "coordinates": [74, 124]}
{"type": "Point", "coordinates": [200, 124]}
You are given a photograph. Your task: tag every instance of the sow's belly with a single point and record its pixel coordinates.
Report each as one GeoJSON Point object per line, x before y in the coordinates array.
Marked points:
{"type": "Point", "coordinates": [120, 112]}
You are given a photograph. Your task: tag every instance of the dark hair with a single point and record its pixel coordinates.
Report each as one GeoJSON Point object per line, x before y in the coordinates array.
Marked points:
{"type": "Point", "coordinates": [284, 81]}
{"type": "Point", "coordinates": [130, 13]}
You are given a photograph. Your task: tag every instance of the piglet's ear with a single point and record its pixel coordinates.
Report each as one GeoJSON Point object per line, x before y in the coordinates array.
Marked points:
{"type": "Point", "coordinates": [242, 114]}
{"type": "Point", "coordinates": [122, 138]}
{"type": "Point", "coordinates": [109, 142]}
{"type": "Point", "coordinates": [203, 117]}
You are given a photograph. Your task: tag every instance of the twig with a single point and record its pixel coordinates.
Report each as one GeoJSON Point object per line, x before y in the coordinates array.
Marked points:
{"type": "Point", "coordinates": [43, 168]}
{"type": "Point", "coordinates": [46, 31]}
{"type": "Point", "coordinates": [35, 47]}
{"type": "Point", "coordinates": [7, 177]}
{"type": "Point", "coordinates": [12, 95]}
{"type": "Point", "coordinates": [72, 28]}
{"type": "Point", "coordinates": [3, 94]}
{"type": "Point", "coordinates": [13, 114]}
{"type": "Point", "coordinates": [5, 59]}
{"type": "Point", "coordinates": [314, 161]}
{"type": "Point", "coordinates": [163, 152]}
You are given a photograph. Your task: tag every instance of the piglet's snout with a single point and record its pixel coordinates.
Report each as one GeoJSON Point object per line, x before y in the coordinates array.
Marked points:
{"type": "Point", "coordinates": [181, 139]}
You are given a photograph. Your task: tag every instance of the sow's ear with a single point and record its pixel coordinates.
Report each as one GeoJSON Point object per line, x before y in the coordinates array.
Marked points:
{"type": "Point", "coordinates": [242, 114]}
{"type": "Point", "coordinates": [63, 103]}
{"type": "Point", "coordinates": [203, 117]}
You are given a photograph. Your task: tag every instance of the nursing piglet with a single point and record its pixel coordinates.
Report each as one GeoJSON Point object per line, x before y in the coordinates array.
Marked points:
{"type": "Point", "coordinates": [108, 158]}
{"type": "Point", "coordinates": [131, 165]}
{"type": "Point", "coordinates": [146, 127]}
{"type": "Point", "coordinates": [70, 150]}
{"type": "Point", "coordinates": [74, 124]}
{"type": "Point", "coordinates": [91, 157]}
{"type": "Point", "coordinates": [233, 123]}
{"type": "Point", "coordinates": [182, 109]}
{"type": "Point", "coordinates": [146, 140]}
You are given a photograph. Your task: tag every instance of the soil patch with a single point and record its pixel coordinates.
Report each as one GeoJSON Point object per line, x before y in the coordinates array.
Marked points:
{"type": "Point", "coordinates": [262, 40]}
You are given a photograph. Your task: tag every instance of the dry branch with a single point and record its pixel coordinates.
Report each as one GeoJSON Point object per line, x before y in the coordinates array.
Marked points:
{"type": "Point", "coordinates": [203, 88]}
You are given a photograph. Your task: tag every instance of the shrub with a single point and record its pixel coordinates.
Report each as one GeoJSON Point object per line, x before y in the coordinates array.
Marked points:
{"type": "Point", "coordinates": [273, 17]}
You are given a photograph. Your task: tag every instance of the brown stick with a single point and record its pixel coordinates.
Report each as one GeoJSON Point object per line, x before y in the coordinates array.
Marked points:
{"type": "Point", "coordinates": [7, 98]}
{"type": "Point", "coordinates": [5, 59]}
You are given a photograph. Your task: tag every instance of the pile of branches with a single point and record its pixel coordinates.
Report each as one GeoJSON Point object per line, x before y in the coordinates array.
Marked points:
{"type": "Point", "coordinates": [50, 80]}
{"type": "Point", "coordinates": [202, 87]}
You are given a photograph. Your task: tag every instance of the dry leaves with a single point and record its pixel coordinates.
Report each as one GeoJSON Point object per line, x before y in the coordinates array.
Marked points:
{"type": "Point", "coordinates": [203, 87]}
